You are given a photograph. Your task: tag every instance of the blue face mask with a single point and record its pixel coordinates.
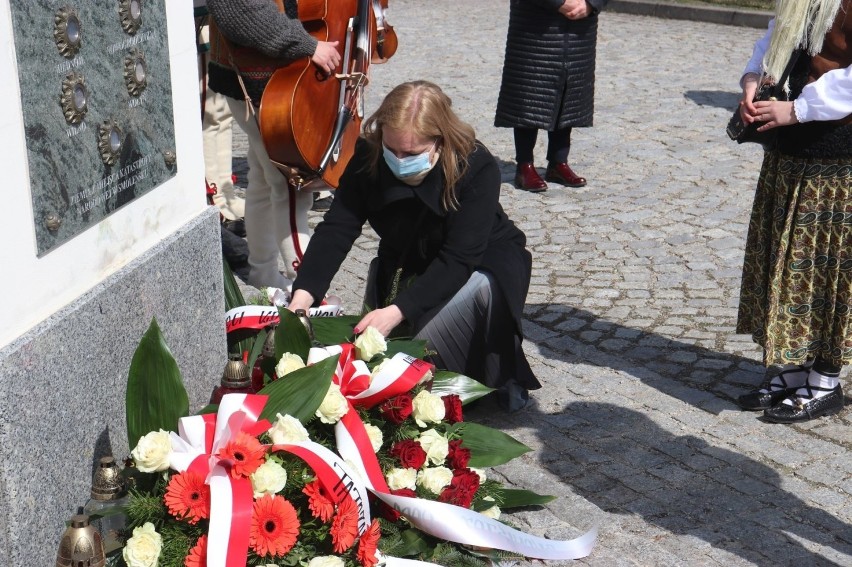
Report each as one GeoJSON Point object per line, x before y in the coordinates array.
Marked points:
{"type": "Point", "coordinates": [407, 166]}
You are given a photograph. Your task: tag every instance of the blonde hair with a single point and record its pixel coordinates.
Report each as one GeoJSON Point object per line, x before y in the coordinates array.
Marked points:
{"type": "Point", "coordinates": [422, 108]}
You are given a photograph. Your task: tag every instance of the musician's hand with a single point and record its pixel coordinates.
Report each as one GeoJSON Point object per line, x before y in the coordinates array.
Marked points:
{"type": "Point", "coordinates": [326, 56]}
{"type": "Point", "coordinates": [384, 320]}
{"type": "Point", "coordinates": [575, 9]}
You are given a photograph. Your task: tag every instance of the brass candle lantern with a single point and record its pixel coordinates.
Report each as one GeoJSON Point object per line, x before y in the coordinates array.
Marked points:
{"type": "Point", "coordinates": [306, 322]}
{"type": "Point", "coordinates": [81, 544]}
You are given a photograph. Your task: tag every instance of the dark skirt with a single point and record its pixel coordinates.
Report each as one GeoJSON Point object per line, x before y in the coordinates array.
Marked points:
{"type": "Point", "coordinates": [796, 289]}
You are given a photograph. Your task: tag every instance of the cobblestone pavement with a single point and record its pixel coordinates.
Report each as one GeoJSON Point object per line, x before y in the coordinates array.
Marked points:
{"type": "Point", "coordinates": [631, 311]}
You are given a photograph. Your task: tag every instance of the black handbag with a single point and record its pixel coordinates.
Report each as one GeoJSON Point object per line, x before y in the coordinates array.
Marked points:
{"type": "Point", "coordinates": [741, 132]}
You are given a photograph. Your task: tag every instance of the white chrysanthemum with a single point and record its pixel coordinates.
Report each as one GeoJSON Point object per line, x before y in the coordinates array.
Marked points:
{"type": "Point", "coordinates": [269, 478]}
{"type": "Point", "coordinates": [326, 561]}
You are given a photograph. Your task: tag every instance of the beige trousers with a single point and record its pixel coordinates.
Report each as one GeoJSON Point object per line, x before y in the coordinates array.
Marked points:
{"type": "Point", "coordinates": [276, 214]}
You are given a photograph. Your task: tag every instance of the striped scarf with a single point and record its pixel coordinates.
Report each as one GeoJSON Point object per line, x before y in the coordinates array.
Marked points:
{"type": "Point", "coordinates": [798, 23]}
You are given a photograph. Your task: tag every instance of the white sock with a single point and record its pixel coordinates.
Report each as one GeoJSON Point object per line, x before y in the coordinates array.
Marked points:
{"type": "Point", "coordinates": [793, 375]}
{"type": "Point", "coordinates": [815, 380]}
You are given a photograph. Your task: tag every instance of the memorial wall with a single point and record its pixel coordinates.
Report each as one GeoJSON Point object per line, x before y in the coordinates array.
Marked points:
{"type": "Point", "coordinates": [106, 227]}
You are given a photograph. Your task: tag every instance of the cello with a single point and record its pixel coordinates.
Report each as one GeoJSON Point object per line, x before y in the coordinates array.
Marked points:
{"type": "Point", "coordinates": [310, 120]}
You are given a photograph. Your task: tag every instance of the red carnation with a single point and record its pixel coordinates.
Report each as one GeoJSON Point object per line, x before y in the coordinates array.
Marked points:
{"type": "Point", "coordinates": [410, 454]}
{"type": "Point", "coordinates": [452, 408]}
{"type": "Point", "coordinates": [458, 457]}
{"type": "Point", "coordinates": [389, 513]}
{"type": "Point", "coordinates": [462, 488]}
{"type": "Point", "coordinates": [397, 409]}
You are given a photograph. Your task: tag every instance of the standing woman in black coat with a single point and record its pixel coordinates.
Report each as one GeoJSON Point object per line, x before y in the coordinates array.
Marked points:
{"type": "Point", "coordinates": [451, 267]}
{"type": "Point", "coordinates": [548, 83]}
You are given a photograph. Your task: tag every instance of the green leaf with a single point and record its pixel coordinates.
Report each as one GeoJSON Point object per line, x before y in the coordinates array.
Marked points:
{"type": "Point", "coordinates": [291, 336]}
{"type": "Point", "coordinates": [334, 330]}
{"type": "Point", "coordinates": [301, 392]}
{"type": "Point", "coordinates": [415, 348]}
{"type": "Point", "coordinates": [488, 447]}
{"type": "Point", "coordinates": [413, 543]}
{"type": "Point", "coordinates": [257, 347]}
{"type": "Point", "coordinates": [155, 398]}
{"type": "Point", "coordinates": [515, 498]}
{"type": "Point", "coordinates": [233, 295]}
{"type": "Point", "coordinates": [468, 389]}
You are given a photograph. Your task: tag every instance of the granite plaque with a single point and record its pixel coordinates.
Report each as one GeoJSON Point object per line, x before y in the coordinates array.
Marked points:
{"type": "Point", "coordinates": [97, 102]}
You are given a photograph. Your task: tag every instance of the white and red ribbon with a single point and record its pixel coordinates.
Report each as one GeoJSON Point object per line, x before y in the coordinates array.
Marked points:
{"type": "Point", "coordinates": [256, 317]}
{"type": "Point", "coordinates": [195, 448]}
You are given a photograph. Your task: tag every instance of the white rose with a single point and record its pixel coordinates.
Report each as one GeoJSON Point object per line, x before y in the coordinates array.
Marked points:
{"type": "Point", "coordinates": [436, 446]}
{"type": "Point", "coordinates": [288, 429]}
{"type": "Point", "coordinates": [288, 363]}
{"type": "Point", "coordinates": [326, 561]}
{"type": "Point", "coordinates": [434, 479]}
{"type": "Point", "coordinates": [480, 473]}
{"type": "Point", "coordinates": [333, 406]}
{"type": "Point", "coordinates": [152, 452]}
{"type": "Point", "coordinates": [428, 408]}
{"type": "Point", "coordinates": [269, 478]}
{"type": "Point", "coordinates": [402, 478]}
{"type": "Point", "coordinates": [375, 435]}
{"type": "Point", "coordinates": [143, 548]}
{"type": "Point", "coordinates": [370, 343]}
{"type": "Point", "coordinates": [493, 512]}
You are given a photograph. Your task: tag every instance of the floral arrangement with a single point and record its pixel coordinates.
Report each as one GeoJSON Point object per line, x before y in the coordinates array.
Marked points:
{"type": "Point", "coordinates": [353, 455]}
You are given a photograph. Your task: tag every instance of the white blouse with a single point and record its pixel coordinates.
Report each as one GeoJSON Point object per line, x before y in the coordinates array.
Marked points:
{"type": "Point", "coordinates": [827, 98]}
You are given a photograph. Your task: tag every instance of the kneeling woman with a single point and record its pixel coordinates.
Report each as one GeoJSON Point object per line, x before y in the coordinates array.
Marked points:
{"type": "Point", "coordinates": [451, 267]}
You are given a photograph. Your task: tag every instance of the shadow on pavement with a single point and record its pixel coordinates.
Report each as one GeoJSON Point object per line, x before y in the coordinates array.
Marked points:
{"type": "Point", "coordinates": [705, 378]}
{"type": "Point", "coordinates": [624, 463]}
{"type": "Point", "coordinates": [720, 99]}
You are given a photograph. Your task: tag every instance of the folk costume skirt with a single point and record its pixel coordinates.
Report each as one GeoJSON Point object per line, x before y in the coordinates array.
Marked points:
{"type": "Point", "coordinates": [796, 289]}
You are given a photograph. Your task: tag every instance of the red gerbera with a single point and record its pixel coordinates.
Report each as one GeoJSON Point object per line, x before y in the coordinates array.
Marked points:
{"type": "Point", "coordinates": [368, 544]}
{"type": "Point", "coordinates": [187, 497]}
{"type": "Point", "coordinates": [197, 555]}
{"type": "Point", "coordinates": [321, 507]}
{"type": "Point", "coordinates": [344, 527]}
{"type": "Point", "coordinates": [245, 453]}
{"type": "Point", "coordinates": [274, 526]}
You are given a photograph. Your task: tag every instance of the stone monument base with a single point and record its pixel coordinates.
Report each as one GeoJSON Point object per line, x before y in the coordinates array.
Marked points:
{"type": "Point", "coordinates": [63, 382]}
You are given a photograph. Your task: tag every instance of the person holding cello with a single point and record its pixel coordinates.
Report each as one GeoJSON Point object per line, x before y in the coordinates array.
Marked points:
{"type": "Point", "coordinates": [249, 41]}
{"type": "Point", "coordinates": [452, 268]}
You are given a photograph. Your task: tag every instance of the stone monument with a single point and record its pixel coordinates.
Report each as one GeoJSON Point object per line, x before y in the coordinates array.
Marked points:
{"type": "Point", "coordinates": [106, 227]}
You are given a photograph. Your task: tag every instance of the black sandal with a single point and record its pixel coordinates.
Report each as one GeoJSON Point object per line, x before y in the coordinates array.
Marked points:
{"type": "Point", "coordinates": [812, 408]}
{"type": "Point", "coordinates": [757, 400]}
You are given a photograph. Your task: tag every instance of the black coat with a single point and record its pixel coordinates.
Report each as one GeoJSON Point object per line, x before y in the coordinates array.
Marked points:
{"type": "Point", "coordinates": [443, 248]}
{"type": "Point", "coordinates": [549, 70]}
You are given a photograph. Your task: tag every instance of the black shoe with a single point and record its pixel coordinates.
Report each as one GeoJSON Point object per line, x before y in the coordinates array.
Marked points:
{"type": "Point", "coordinates": [322, 205]}
{"type": "Point", "coordinates": [237, 226]}
{"type": "Point", "coordinates": [757, 400]}
{"type": "Point", "coordinates": [512, 396]}
{"type": "Point", "coordinates": [828, 404]}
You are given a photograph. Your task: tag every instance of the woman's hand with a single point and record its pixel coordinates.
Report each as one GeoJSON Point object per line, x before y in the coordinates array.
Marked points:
{"type": "Point", "coordinates": [384, 320]}
{"type": "Point", "coordinates": [326, 56]}
{"type": "Point", "coordinates": [301, 300]}
{"type": "Point", "coordinates": [575, 9]}
{"type": "Point", "coordinates": [775, 113]}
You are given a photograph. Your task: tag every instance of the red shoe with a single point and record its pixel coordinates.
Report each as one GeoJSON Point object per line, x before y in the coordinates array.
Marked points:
{"type": "Point", "coordinates": [528, 179]}
{"type": "Point", "coordinates": [562, 173]}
